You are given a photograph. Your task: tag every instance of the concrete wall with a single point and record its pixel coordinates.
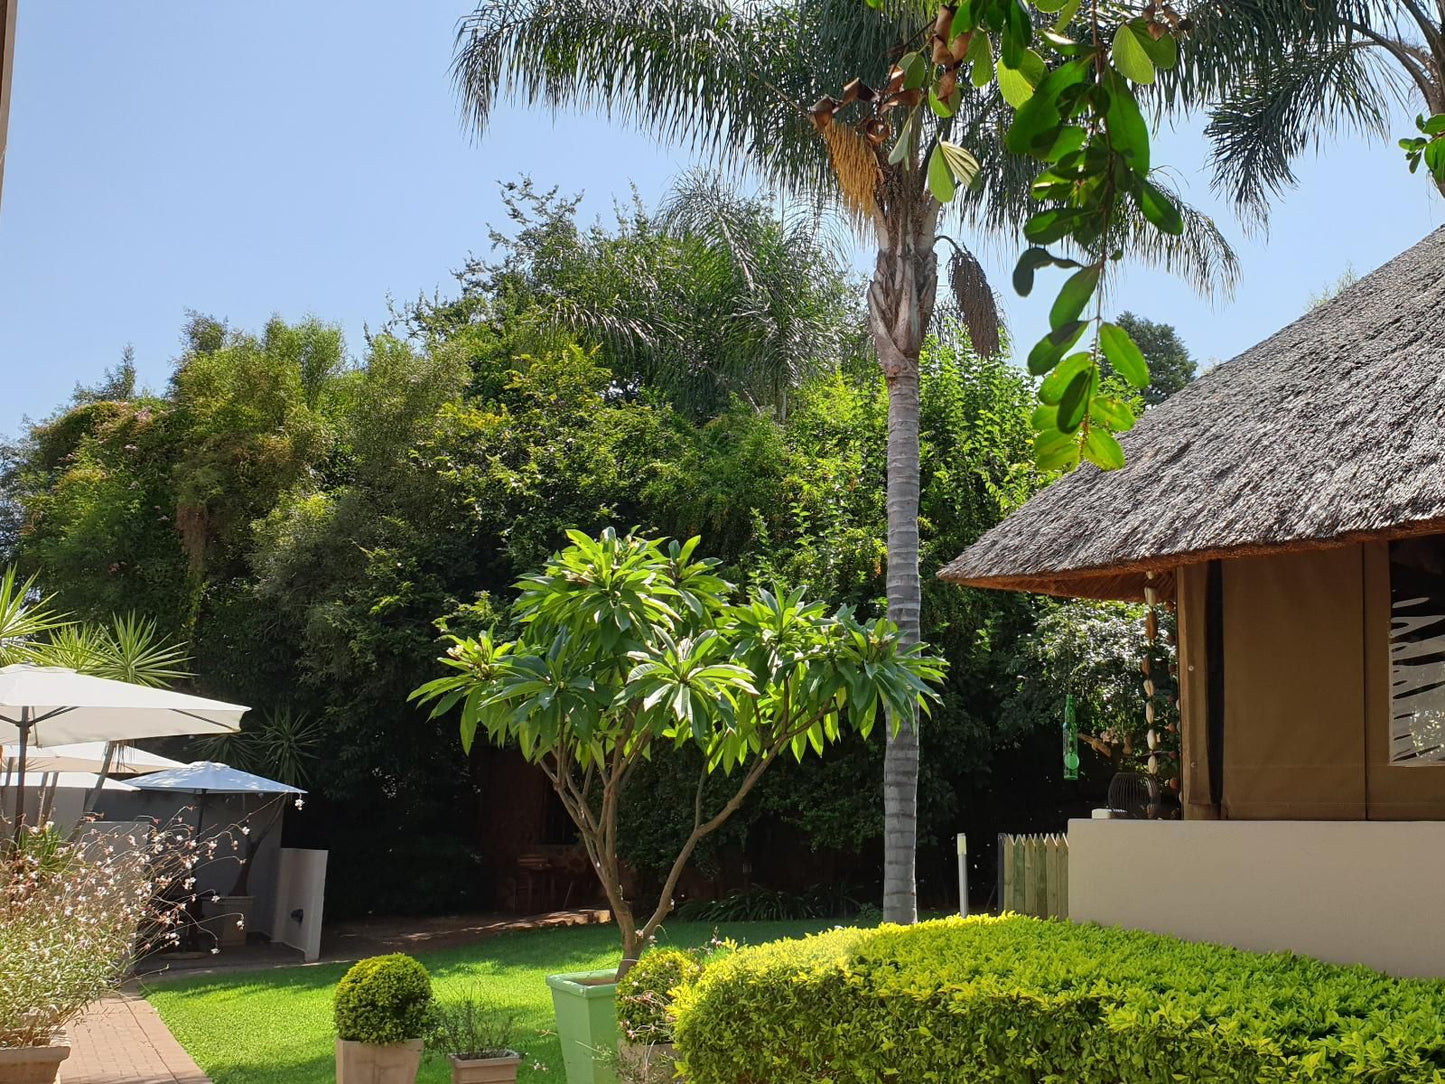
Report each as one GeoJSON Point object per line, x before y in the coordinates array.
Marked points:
{"type": "Point", "coordinates": [300, 895]}
{"type": "Point", "coordinates": [1351, 892]}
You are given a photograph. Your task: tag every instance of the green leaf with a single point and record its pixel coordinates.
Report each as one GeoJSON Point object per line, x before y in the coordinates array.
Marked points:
{"type": "Point", "coordinates": [1049, 7]}
{"type": "Point", "coordinates": [1055, 451]}
{"type": "Point", "coordinates": [938, 105]}
{"type": "Point", "coordinates": [1044, 417]}
{"type": "Point", "coordinates": [1128, 134]}
{"type": "Point", "coordinates": [1160, 210]}
{"type": "Point", "coordinates": [1048, 350]}
{"type": "Point", "coordinates": [1029, 261]}
{"type": "Point", "coordinates": [1017, 84]}
{"type": "Point", "coordinates": [1066, 14]}
{"type": "Point", "coordinates": [1124, 355]}
{"type": "Point", "coordinates": [981, 72]}
{"type": "Point", "coordinates": [902, 145]}
{"type": "Point", "coordinates": [1017, 33]}
{"type": "Point", "coordinates": [962, 20]}
{"type": "Point", "coordinates": [1052, 390]}
{"type": "Point", "coordinates": [1038, 119]}
{"type": "Point", "coordinates": [1129, 56]}
{"type": "Point", "coordinates": [1112, 413]}
{"type": "Point", "coordinates": [1074, 403]}
{"type": "Point", "coordinates": [1434, 126]}
{"type": "Point", "coordinates": [1163, 51]}
{"type": "Point", "coordinates": [1073, 296]}
{"type": "Point", "coordinates": [1102, 450]}
{"type": "Point", "coordinates": [1070, 138]}
{"type": "Point", "coordinates": [940, 180]}
{"type": "Point", "coordinates": [1052, 225]}
{"type": "Point", "coordinates": [1435, 158]}
{"type": "Point", "coordinates": [915, 70]}
{"type": "Point", "coordinates": [962, 164]}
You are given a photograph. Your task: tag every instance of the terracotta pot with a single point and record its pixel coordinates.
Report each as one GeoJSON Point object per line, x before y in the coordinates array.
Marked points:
{"type": "Point", "coordinates": [33, 1064]}
{"type": "Point", "coordinates": [646, 1063]}
{"type": "Point", "coordinates": [499, 1070]}
{"type": "Point", "coordinates": [377, 1063]}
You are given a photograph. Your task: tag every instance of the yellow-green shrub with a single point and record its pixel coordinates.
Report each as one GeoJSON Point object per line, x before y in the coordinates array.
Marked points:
{"type": "Point", "coordinates": [1017, 1001]}
{"type": "Point", "coordinates": [383, 999]}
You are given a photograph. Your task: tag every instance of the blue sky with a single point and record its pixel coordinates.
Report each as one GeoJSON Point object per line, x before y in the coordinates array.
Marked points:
{"type": "Point", "coordinates": [307, 158]}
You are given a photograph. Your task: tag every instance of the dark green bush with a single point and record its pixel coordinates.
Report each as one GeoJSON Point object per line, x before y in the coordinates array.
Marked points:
{"type": "Point", "coordinates": [1019, 1001]}
{"type": "Point", "coordinates": [645, 993]}
{"type": "Point", "coordinates": [383, 999]}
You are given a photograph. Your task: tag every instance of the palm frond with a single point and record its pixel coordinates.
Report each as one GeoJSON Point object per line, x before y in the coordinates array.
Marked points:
{"type": "Point", "coordinates": [25, 617]}
{"type": "Point", "coordinates": [1202, 255]}
{"type": "Point", "coordinates": [129, 649]}
{"type": "Point", "coordinates": [282, 744]}
{"type": "Point", "coordinates": [1266, 121]}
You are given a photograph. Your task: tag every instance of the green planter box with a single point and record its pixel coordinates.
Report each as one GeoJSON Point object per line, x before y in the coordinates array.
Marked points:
{"type": "Point", "coordinates": [586, 1006]}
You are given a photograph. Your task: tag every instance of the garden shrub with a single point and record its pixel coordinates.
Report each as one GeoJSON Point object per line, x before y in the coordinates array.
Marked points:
{"type": "Point", "coordinates": [1016, 1000]}
{"type": "Point", "coordinates": [383, 999]}
{"type": "Point", "coordinates": [644, 994]}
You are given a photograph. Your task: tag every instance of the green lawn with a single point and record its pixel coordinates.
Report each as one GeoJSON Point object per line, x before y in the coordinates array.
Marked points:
{"type": "Point", "coordinates": [274, 1027]}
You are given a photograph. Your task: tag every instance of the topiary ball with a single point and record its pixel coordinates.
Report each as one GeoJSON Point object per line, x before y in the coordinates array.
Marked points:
{"type": "Point", "coordinates": [383, 999]}
{"type": "Point", "coordinates": [645, 993]}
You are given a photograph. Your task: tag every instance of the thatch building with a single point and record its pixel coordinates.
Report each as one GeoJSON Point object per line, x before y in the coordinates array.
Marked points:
{"type": "Point", "coordinates": [1292, 503]}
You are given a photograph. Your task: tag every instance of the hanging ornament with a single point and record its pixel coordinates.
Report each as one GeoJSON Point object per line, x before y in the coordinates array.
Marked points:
{"type": "Point", "coordinates": [1153, 764]}
{"type": "Point", "coordinates": [1153, 737]}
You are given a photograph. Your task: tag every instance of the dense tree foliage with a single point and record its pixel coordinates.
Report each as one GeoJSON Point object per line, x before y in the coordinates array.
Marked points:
{"type": "Point", "coordinates": [307, 520]}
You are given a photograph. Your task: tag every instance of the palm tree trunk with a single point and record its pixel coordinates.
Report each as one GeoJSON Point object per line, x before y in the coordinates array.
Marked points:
{"type": "Point", "coordinates": [900, 307]}
{"type": "Point", "coordinates": [905, 591]}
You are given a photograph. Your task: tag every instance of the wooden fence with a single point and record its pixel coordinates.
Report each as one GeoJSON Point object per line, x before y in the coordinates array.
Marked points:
{"type": "Point", "coordinates": [1033, 875]}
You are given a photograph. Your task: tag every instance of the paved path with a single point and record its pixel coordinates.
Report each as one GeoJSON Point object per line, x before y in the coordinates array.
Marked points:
{"type": "Point", "coordinates": [121, 1040]}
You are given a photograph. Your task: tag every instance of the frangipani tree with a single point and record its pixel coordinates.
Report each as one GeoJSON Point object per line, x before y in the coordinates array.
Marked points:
{"type": "Point", "coordinates": [631, 647]}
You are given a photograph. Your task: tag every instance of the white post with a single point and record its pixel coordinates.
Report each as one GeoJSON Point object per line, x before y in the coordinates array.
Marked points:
{"type": "Point", "coordinates": [962, 875]}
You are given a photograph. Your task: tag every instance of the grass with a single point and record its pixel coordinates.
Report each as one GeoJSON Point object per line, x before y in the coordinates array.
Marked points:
{"type": "Point", "coordinates": [274, 1027]}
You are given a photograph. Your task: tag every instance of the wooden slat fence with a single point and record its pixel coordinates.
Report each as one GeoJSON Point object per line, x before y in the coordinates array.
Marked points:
{"type": "Point", "coordinates": [1033, 875]}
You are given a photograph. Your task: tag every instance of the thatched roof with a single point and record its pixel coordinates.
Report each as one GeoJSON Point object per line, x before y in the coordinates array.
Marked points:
{"type": "Point", "coordinates": [1330, 431]}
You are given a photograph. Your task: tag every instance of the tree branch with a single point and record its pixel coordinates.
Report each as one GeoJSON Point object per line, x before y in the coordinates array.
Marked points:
{"type": "Point", "coordinates": [1400, 53]}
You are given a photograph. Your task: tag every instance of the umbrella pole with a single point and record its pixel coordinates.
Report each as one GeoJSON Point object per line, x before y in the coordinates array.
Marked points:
{"type": "Point", "coordinates": [20, 785]}
{"type": "Point", "coordinates": [94, 795]}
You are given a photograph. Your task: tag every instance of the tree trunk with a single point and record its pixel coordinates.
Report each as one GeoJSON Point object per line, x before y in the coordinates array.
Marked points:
{"type": "Point", "coordinates": [900, 307]}
{"type": "Point", "coordinates": [905, 590]}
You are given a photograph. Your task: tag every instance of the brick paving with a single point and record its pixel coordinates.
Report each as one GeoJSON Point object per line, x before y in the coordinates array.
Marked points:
{"type": "Point", "coordinates": [121, 1040]}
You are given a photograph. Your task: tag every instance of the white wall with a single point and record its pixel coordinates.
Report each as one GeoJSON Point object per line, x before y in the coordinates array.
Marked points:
{"type": "Point", "coordinates": [1351, 892]}
{"type": "Point", "coordinates": [300, 886]}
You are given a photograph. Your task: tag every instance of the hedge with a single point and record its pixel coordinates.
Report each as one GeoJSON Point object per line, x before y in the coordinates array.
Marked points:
{"type": "Point", "coordinates": [1016, 1000]}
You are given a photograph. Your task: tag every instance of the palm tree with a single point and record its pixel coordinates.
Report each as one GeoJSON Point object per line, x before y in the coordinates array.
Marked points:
{"type": "Point", "coordinates": [746, 82]}
{"type": "Point", "coordinates": [1287, 74]}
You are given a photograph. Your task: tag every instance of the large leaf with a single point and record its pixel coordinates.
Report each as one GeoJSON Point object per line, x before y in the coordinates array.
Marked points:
{"type": "Point", "coordinates": [1130, 56]}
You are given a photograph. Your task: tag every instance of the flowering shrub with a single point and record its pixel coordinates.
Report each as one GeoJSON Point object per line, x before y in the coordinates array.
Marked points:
{"type": "Point", "coordinates": [75, 915]}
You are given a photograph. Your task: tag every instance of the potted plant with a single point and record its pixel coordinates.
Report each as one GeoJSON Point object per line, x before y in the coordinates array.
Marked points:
{"type": "Point", "coordinates": [383, 1007]}
{"type": "Point", "coordinates": [74, 918]}
{"type": "Point", "coordinates": [477, 1041]}
{"type": "Point", "coordinates": [630, 646]}
{"type": "Point", "coordinates": [645, 1053]}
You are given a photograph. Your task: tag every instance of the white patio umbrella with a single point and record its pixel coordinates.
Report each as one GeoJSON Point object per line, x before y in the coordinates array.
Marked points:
{"type": "Point", "coordinates": [51, 705]}
{"type": "Point", "coordinates": [88, 756]}
{"type": "Point", "coordinates": [208, 777]}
